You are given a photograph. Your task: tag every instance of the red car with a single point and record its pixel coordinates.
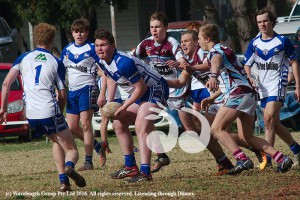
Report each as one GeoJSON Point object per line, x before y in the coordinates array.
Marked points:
{"type": "Point", "coordinates": [17, 124]}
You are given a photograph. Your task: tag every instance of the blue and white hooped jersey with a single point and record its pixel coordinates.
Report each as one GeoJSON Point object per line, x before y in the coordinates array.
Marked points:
{"type": "Point", "coordinates": [198, 58]}
{"type": "Point", "coordinates": [272, 58]}
{"type": "Point", "coordinates": [41, 72]}
{"type": "Point", "coordinates": [126, 70]}
{"type": "Point", "coordinates": [233, 74]}
{"type": "Point", "coordinates": [80, 64]}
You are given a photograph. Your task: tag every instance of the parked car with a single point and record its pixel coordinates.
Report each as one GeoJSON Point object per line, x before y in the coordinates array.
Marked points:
{"type": "Point", "coordinates": [294, 14]}
{"type": "Point", "coordinates": [17, 124]}
{"type": "Point", "coordinates": [9, 42]}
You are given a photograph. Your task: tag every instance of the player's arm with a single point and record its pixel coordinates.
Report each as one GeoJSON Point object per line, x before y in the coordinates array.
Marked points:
{"type": "Point", "coordinates": [101, 101]}
{"type": "Point", "coordinates": [216, 63]}
{"type": "Point", "coordinates": [205, 103]}
{"type": "Point", "coordinates": [111, 89]}
{"type": "Point", "coordinates": [200, 67]}
{"type": "Point", "coordinates": [296, 73]}
{"type": "Point", "coordinates": [9, 79]}
{"type": "Point", "coordinates": [181, 81]}
{"type": "Point", "coordinates": [62, 99]}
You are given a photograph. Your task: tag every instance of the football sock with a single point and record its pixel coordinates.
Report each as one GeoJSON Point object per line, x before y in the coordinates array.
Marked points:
{"type": "Point", "coordinates": [295, 148]}
{"type": "Point", "coordinates": [224, 161]}
{"type": "Point", "coordinates": [97, 146]}
{"type": "Point", "coordinates": [145, 168]}
{"type": "Point", "coordinates": [70, 163]}
{"type": "Point", "coordinates": [129, 160]}
{"type": "Point", "coordinates": [240, 155]}
{"type": "Point", "coordinates": [89, 159]}
{"type": "Point", "coordinates": [162, 155]}
{"type": "Point", "coordinates": [278, 157]}
{"type": "Point", "coordinates": [269, 158]}
{"type": "Point", "coordinates": [251, 148]}
{"type": "Point", "coordinates": [63, 178]}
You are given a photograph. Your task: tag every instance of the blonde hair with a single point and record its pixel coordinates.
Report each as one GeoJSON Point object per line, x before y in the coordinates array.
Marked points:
{"type": "Point", "coordinates": [211, 31]}
{"type": "Point", "coordinates": [43, 34]}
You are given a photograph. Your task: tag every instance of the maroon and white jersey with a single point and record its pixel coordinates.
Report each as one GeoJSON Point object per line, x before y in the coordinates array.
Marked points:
{"type": "Point", "coordinates": [157, 54]}
{"type": "Point", "coordinates": [198, 58]}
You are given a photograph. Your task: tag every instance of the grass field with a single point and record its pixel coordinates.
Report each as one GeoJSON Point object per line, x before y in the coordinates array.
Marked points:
{"type": "Point", "coordinates": [27, 171]}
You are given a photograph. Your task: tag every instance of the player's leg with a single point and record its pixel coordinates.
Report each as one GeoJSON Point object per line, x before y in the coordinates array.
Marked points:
{"type": "Point", "coordinates": [66, 155]}
{"type": "Point", "coordinates": [224, 117]}
{"type": "Point", "coordinates": [85, 119]}
{"type": "Point", "coordinates": [273, 125]}
{"type": "Point", "coordinates": [246, 134]}
{"type": "Point", "coordinates": [125, 139]}
{"type": "Point", "coordinates": [143, 127]}
{"type": "Point", "coordinates": [223, 162]}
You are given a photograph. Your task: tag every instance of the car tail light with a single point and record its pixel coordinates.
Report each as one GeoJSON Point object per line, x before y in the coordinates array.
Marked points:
{"type": "Point", "coordinates": [15, 106]}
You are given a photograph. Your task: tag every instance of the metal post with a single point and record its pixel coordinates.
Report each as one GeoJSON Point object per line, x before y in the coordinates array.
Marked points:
{"type": "Point", "coordinates": [31, 36]}
{"type": "Point", "coordinates": [113, 24]}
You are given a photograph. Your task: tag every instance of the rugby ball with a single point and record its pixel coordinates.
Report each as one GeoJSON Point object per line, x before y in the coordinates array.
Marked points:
{"type": "Point", "coordinates": [110, 108]}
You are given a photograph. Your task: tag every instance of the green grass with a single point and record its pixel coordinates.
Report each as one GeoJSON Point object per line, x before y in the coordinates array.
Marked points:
{"type": "Point", "coordinates": [29, 167]}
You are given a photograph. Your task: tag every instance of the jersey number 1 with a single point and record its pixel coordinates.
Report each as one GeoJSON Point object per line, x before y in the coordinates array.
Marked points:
{"type": "Point", "coordinates": [37, 74]}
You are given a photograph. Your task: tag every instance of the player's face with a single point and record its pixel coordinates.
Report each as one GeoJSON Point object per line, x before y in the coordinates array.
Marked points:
{"type": "Point", "coordinates": [104, 50]}
{"type": "Point", "coordinates": [264, 23]}
{"type": "Point", "coordinates": [202, 41]}
{"type": "Point", "coordinates": [158, 30]}
{"type": "Point", "coordinates": [188, 44]}
{"type": "Point", "coordinates": [80, 37]}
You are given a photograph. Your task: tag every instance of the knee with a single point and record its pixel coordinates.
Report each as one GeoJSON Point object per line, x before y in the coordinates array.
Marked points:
{"type": "Point", "coordinates": [215, 131]}
{"type": "Point", "coordinates": [86, 126]}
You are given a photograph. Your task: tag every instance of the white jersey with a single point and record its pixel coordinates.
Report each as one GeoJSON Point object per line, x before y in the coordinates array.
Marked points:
{"type": "Point", "coordinates": [126, 70]}
{"type": "Point", "coordinates": [41, 72]}
{"type": "Point", "coordinates": [80, 64]}
{"type": "Point", "coordinates": [272, 59]}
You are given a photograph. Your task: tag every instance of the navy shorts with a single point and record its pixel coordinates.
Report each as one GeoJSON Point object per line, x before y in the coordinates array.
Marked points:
{"type": "Point", "coordinates": [48, 126]}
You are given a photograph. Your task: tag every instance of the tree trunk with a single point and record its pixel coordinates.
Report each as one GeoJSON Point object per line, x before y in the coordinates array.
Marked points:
{"type": "Point", "coordinates": [243, 10]}
{"type": "Point", "coordinates": [210, 12]}
{"type": "Point", "coordinates": [271, 5]}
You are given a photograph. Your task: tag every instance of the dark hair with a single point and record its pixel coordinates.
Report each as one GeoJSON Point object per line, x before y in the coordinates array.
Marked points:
{"type": "Point", "coordinates": [80, 25]}
{"type": "Point", "coordinates": [160, 16]}
{"type": "Point", "coordinates": [104, 34]}
{"type": "Point", "coordinates": [193, 33]}
{"type": "Point", "coordinates": [211, 31]}
{"type": "Point", "coordinates": [271, 15]}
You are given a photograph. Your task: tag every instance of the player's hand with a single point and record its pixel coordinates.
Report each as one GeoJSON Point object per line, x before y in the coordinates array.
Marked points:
{"type": "Point", "coordinates": [297, 94]}
{"type": "Point", "coordinates": [205, 103]}
{"type": "Point", "coordinates": [184, 65]}
{"type": "Point", "coordinates": [3, 116]}
{"type": "Point", "coordinates": [212, 84]}
{"type": "Point", "coordinates": [172, 63]}
{"type": "Point", "coordinates": [253, 83]}
{"type": "Point", "coordinates": [101, 101]}
{"type": "Point", "coordinates": [119, 112]}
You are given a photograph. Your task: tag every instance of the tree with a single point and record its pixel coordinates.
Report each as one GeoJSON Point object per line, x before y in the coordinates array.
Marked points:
{"type": "Point", "coordinates": [60, 12]}
{"type": "Point", "coordinates": [210, 12]}
{"type": "Point", "coordinates": [243, 11]}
